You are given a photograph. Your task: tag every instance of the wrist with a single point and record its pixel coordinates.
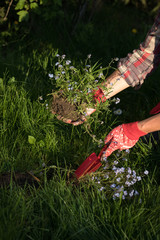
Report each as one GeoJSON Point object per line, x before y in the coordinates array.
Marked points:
{"type": "Point", "coordinates": [132, 130]}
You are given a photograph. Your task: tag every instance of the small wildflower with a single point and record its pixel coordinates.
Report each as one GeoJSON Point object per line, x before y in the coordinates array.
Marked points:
{"type": "Point", "coordinates": [114, 168]}
{"type": "Point", "coordinates": [100, 75]}
{"type": "Point", "coordinates": [57, 55]}
{"type": "Point", "coordinates": [51, 75]}
{"type": "Point", "coordinates": [129, 170]}
{"type": "Point", "coordinates": [71, 67]}
{"type": "Point", "coordinates": [40, 98]}
{"type": "Point", "coordinates": [89, 55]}
{"type": "Point", "coordinates": [63, 56]}
{"type": "Point", "coordinates": [116, 59]}
{"type": "Point", "coordinates": [68, 62]}
{"type": "Point", "coordinates": [123, 197]}
{"type": "Point", "coordinates": [128, 176]}
{"type": "Point", "coordinates": [118, 112]}
{"type": "Point", "coordinates": [139, 178]}
{"type": "Point", "coordinates": [96, 81]}
{"type": "Point", "coordinates": [136, 193]}
{"type": "Point", "coordinates": [117, 100]}
{"type": "Point", "coordinates": [125, 193]}
{"type": "Point", "coordinates": [98, 182]}
{"type": "Point", "coordinates": [127, 183]}
{"type": "Point", "coordinates": [46, 104]}
{"type": "Point", "coordinates": [88, 66]}
{"type": "Point", "coordinates": [115, 162]}
{"type": "Point", "coordinates": [131, 193]}
{"type": "Point", "coordinates": [124, 159]}
{"type": "Point", "coordinates": [113, 185]}
{"type": "Point", "coordinates": [89, 90]}
{"type": "Point", "coordinates": [57, 63]}
{"type": "Point", "coordinates": [117, 195]}
{"type": "Point", "coordinates": [102, 122]}
{"type": "Point", "coordinates": [102, 188]}
{"type": "Point", "coordinates": [60, 66]}
{"type": "Point", "coordinates": [146, 172]}
{"type": "Point", "coordinates": [56, 77]}
{"type": "Point", "coordinates": [127, 151]}
{"type": "Point", "coordinates": [118, 179]}
{"type": "Point", "coordinates": [134, 30]}
{"type": "Point", "coordinates": [63, 72]}
{"type": "Point", "coordinates": [117, 154]}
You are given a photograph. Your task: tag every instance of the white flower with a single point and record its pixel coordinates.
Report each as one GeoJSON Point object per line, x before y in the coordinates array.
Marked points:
{"type": "Point", "coordinates": [129, 170]}
{"type": "Point", "coordinates": [63, 56]}
{"type": "Point", "coordinates": [40, 98]}
{"type": "Point", "coordinates": [89, 90]}
{"type": "Point", "coordinates": [51, 75]}
{"type": "Point", "coordinates": [146, 172]}
{"type": "Point", "coordinates": [96, 80]}
{"type": "Point", "coordinates": [114, 168]}
{"type": "Point", "coordinates": [56, 77]}
{"type": "Point", "coordinates": [131, 193]}
{"type": "Point", "coordinates": [128, 176]}
{"type": "Point", "coordinates": [102, 188]}
{"type": "Point", "coordinates": [60, 66]}
{"type": "Point", "coordinates": [117, 195]}
{"type": "Point", "coordinates": [118, 179]}
{"type": "Point", "coordinates": [113, 185]}
{"type": "Point", "coordinates": [122, 169]}
{"type": "Point", "coordinates": [100, 75]}
{"type": "Point", "coordinates": [102, 122]}
{"type": "Point", "coordinates": [136, 192]}
{"type": "Point", "coordinates": [134, 173]}
{"type": "Point", "coordinates": [98, 182]}
{"type": "Point", "coordinates": [127, 183]}
{"type": "Point", "coordinates": [68, 62]}
{"type": "Point", "coordinates": [89, 55]}
{"type": "Point", "coordinates": [127, 151]}
{"type": "Point", "coordinates": [117, 112]}
{"type": "Point", "coordinates": [123, 197]}
{"type": "Point", "coordinates": [57, 55]}
{"type": "Point", "coordinates": [46, 104]}
{"type": "Point", "coordinates": [57, 63]}
{"type": "Point", "coordinates": [139, 178]}
{"type": "Point", "coordinates": [63, 72]}
{"type": "Point", "coordinates": [71, 67]}
{"type": "Point", "coordinates": [125, 193]}
{"type": "Point", "coordinates": [117, 100]}
{"type": "Point", "coordinates": [115, 162]}
{"type": "Point", "coordinates": [116, 59]}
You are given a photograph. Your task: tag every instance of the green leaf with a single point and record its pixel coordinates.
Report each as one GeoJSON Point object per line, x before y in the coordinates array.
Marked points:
{"type": "Point", "coordinates": [23, 15]}
{"type": "Point", "coordinates": [33, 5]}
{"type": "Point", "coordinates": [31, 139]}
{"type": "Point", "coordinates": [1, 84]}
{"type": "Point", "coordinates": [20, 5]}
{"type": "Point", "coordinates": [41, 143]}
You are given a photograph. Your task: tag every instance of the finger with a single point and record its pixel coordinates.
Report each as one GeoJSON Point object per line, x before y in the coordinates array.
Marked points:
{"type": "Point", "coordinates": [80, 121]}
{"type": "Point", "coordinates": [89, 111]}
{"type": "Point", "coordinates": [108, 138]}
{"type": "Point", "coordinates": [112, 147]}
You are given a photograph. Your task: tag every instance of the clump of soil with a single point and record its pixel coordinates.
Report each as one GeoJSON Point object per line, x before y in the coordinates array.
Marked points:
{"type": "Point", "coordinates": [19, 179]}
{"type": "Point", "coordinates": [62, 107]}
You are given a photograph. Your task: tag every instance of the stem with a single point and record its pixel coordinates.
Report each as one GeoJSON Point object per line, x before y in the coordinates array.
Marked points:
{"type": "Point", "coordinates": [5, 18]}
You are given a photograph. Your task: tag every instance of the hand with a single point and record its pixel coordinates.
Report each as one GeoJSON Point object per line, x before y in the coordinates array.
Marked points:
{"type": "Point", "coordinates": [88, 112]}
{"type": "Point", "coordinates": [123, 137]}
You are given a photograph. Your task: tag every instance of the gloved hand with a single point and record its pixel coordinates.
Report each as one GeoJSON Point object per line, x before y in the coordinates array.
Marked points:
{"type": "Point", "coordinates": [123, 137]}
{"type": "Point", "coordinates": [97, 97]}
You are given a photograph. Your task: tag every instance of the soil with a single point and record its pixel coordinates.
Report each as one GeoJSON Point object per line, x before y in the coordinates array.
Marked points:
{"type": "Point", "coordinates": [20, 179]}
{"type": "Point", "coordinates": [63, 108]}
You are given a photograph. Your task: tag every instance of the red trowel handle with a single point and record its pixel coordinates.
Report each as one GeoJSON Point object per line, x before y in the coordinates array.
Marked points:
{"type": "Point", "coordinates": [91, 164]}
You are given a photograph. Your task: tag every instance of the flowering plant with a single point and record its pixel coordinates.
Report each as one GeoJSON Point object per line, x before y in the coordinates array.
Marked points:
{"type": "Point", "coordinates": [116, 179]}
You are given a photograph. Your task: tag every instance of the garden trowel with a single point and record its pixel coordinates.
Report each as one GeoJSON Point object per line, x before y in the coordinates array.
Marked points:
{"type": "Point", "coordinates": [91, 164]}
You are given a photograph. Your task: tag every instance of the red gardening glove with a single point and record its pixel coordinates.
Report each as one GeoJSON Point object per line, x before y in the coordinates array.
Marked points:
{"type": "Point", "coordinates": [156, 109]}
{"type": "Point", "coordinates": [123, 137]}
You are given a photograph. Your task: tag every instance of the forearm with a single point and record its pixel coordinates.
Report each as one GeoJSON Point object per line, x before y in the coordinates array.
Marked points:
{"type": "Point", "coordinates": [115, 83]}
{"type": "Point", "coordinates": [151, 124]}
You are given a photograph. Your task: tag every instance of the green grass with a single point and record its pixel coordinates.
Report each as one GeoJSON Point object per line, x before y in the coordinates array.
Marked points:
{"type": "Point", "coordinates": [58, 209]}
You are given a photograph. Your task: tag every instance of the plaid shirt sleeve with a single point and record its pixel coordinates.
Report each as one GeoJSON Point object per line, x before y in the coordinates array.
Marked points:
{"type": "Point", "coordinates": [136, 66]}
